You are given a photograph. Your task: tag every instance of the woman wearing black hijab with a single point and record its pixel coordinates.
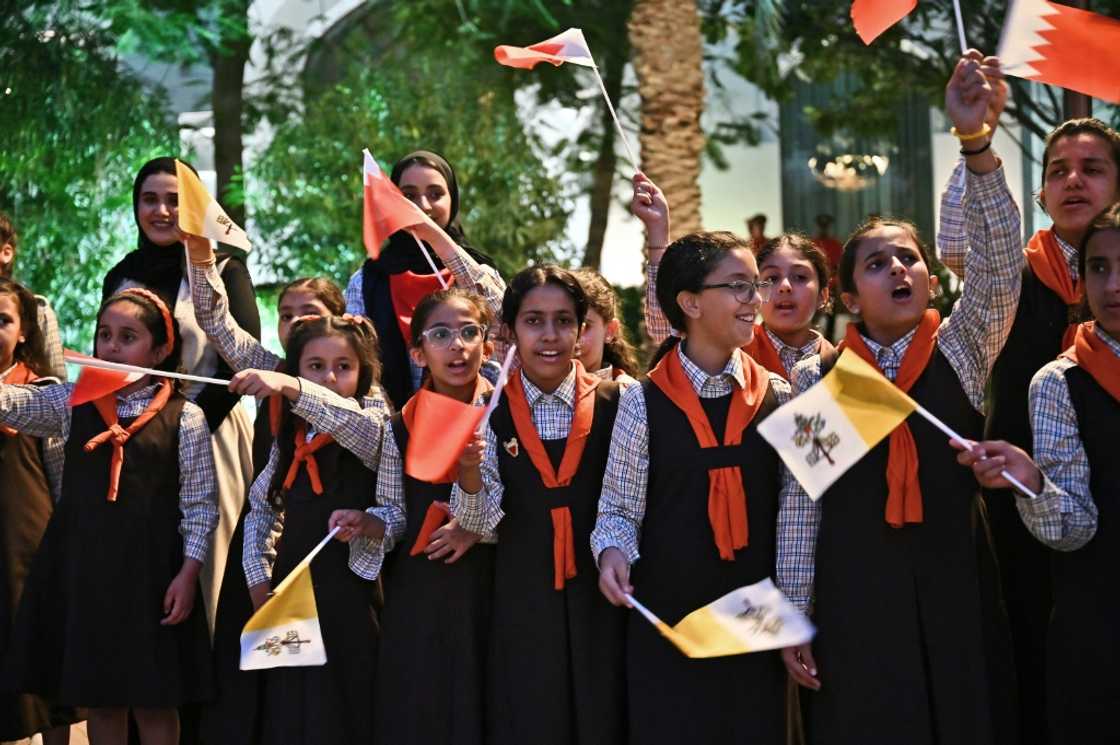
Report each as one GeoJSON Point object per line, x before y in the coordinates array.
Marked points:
{"type": "Point", "coordinates": [387, 289]}
{"type": "Point", "coordinates": [159, 264]}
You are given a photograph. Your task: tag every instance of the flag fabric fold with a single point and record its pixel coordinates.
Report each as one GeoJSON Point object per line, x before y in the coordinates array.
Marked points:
{"type": "Point", "coordinates": [96, 382]}
{"type": "Point", "coordinates": [826, 430]}
{"type": "Point", "coordinates": [284, 632]}
{"type": "Point", "coordinates": [754, 618]}
{"type": "Point", "coordinates": [569, 46]}
{"type": "Point", "coordinates": [440, 428]}
{"type": "Point", "coordinates": [1062, 46]}
{"type": "Point", "coordinates": [384, 209]}
{"type": "Point", "coordinates": [201, 215]}
{"type": "Point", "coordinates": [872, 17]}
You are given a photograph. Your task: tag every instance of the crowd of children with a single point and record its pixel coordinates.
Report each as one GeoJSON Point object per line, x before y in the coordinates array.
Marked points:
{"type": "Point", "coordinates": [140, 530]}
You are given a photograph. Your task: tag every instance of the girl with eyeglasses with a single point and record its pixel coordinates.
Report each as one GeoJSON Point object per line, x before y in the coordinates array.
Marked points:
{"type": "Point", "coordinates": [690, 500]}
{"type": "Point", "coordinates": [794, 268]}
{"type": "Point", "coordinates": [438, 582]}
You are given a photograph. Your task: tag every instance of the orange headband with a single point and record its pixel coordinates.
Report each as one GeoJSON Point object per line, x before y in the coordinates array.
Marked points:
{"type": "Point", "coordinates": [157, 301]}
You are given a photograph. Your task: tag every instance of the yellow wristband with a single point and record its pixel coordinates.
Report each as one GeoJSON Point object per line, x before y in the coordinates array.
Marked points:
{"type": "Point", "coordinates": [984, 132]}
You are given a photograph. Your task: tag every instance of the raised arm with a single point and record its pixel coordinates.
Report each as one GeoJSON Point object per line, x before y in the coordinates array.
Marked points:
{"type": "Point", "coordinates": [37, 410]}
{"type": "Point", "coordinates": [650, 206]}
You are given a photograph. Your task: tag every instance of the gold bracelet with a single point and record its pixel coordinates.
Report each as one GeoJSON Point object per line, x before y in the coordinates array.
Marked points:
{"type": "Point", "coordinates": [984, 132]}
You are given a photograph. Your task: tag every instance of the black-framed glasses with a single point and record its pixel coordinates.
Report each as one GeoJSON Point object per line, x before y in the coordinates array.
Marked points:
{"type": "Point", "coordinates": [441, 337]}
{"type": "Point", "coordinates": [744, 290]}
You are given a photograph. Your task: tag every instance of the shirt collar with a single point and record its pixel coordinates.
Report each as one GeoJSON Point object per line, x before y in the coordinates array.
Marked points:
{"type": "Point", "coordinates": [147, 391]}
{"type": "Point", "coordinates": [606, 373]}
{"type": "Point", "coordinates": [1112, 344]}
{"type": "Point", "coordinates": [896, 350]}
{"type": "Point", "coordinates": [1070, 252]}
{"type": "Point", "coordinates": [566, 392]}
{"type": "Point", "coordinates": [808, 349]}
{"type": "Point", "coordinates": [698, 378]}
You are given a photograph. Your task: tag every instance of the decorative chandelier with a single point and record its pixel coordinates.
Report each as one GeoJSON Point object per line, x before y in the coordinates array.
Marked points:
{"type": "Point", "coordinates": [848, 172]}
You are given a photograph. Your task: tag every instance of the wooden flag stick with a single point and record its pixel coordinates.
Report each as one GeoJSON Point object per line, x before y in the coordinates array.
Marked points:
{"type": "Point", "coordinates": [968, 446]}
{"type": "Point", "coordinates": [431, 262]}
{"type": "Point", "coordinates": [617, 124]}
{"type": "Point", "coordinates": [121, 367]}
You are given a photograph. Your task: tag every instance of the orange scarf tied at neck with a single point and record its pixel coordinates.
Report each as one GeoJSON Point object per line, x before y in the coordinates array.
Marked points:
{"type": "Point", "coordinates": [762, 350]}
{"type": "Point", "coordinates": [18, 374]}
{"type": "Point", "coordinates": [1096, 358]}
{"type": "Point", "coordinates": [904, 492]}
{"type": "Point", "coordinates": [1049, 264]}
{"type": "Point", "coordinates": [437, 513]}
{"type": "Point", "coordinates": [305, 453]}
{"type": "Point", "coordinates": [117, 435]}
{"type": "Point", "coordinates": [563, 542]}
{"type": "Point", "coordinates": [727, 499]}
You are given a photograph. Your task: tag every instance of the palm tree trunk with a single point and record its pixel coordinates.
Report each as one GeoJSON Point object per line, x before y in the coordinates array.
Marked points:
{"type": "Point", "coordinates": [227, 101]}
{"type": "Point", "coordinates": [668, 59]}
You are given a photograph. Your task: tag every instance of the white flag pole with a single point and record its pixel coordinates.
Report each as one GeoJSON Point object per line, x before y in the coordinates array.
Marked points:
{"type": "Point", "coordinates": [646, 612]}
{"type": "Point", "coordinates": [960, 26]}
{"type": "Point", "coordinates": [121, 367]}
{"type": "Point", "coordinates": [617, 124]}
{"type": "Point", "coordinates": [957, 438]}
{"type": "Point", "coordinates": [503, 378]}
{"type": "Point", "coordinates": [431, 263]}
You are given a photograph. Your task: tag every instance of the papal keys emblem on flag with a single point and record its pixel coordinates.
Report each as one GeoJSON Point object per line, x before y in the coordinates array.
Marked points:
{"type": "Point", "coordinates": [808, 433]}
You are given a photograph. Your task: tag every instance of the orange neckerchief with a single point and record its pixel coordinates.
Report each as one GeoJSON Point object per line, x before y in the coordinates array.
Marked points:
{"type": "Point", "coordinates": [563, 545]}
{"type": "Point", "coordinates": [727, 500]}
{"type": "Point", "coordinates": [117, 435]}
{"type": "Point", "coordinates": [305, 453]}
{"type": "Point", "coordinates": [904, 495]}
{"type": "Point", "coordinates": [1096, 358]}
{"type": "Point", "coordinates": [406, 290]}
{"type": "Point", "coordinates": [18, 374]}
{"type": "Point", "coordinates": [437, 513]}
{"type": "Point", "coordinates": [1050, 266]}
{"type": "Point", "coordinates": [762, 350]}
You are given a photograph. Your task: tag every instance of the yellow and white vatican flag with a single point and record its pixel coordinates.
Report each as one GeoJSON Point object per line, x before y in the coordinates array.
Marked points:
{"type": "Point", "coordinates": [284, 632]}
{"type": "Point", "coordinates": [754, 618]}
{"type": "Point", "coordinates": [201, 215]}
{"type": "Point", "coordinates": [823, 432]}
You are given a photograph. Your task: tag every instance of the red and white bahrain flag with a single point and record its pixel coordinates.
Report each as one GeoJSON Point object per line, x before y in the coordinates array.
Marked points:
{"type": "Point", "coordinates": [1062, 46]}
{"type": "Point", "coordinates": [569, 46]}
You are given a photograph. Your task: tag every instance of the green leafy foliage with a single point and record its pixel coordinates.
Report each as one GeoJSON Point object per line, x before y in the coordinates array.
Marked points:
{"type": "Point", "coordinates": [76, 128]}
{"type": "Point", "coordinates": [306, 188]}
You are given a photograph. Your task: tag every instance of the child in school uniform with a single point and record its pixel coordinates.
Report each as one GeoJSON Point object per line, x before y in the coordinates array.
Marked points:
{"type": "Point", "coordinates": [888, 558]}
{"type": "Point", "coordinates": [439, 581]}
{"type": "Point", "coordinates": [556, 673]}
{"type": "Point", "coordinates": [795, 266]}
{"type": "Point", "coordinates": [53, 365]}
{"type": "Point", "coordinates": [1080, 179]}
{"type": "Point", "coordinates": [30, 482]}
{"type": "Point", "coordinates": [111, 617]}
{"type": "Point", "coordinates": [690, 500]}
{"type": "Point", "coordinates": [237, 695]}
{"type": "Point", "coordinates": [1075, 418]}
{"type": "Point", "coordinates": [325, 458]}
{"type": "Point", "coordinates": [603, 347]}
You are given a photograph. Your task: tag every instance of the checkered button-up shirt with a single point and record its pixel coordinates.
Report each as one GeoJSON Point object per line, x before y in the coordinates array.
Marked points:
{"type": "Point", "coordinates": [211, 309]}
{"type": "Point", "coordinates": [970, 338]}
{"type": "Point", "coordinates": [1064, 516]}
{"type": "Point", "coordinates": [356, 427]}
{"type": "Point", "coordinates": [368, 554]}
{"type": "Point", "coordinates": [622, 504]}
{"type": "Point", "coordinates": [552, 416]}
{"type": "Point", "coordinates": [44, 411]}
